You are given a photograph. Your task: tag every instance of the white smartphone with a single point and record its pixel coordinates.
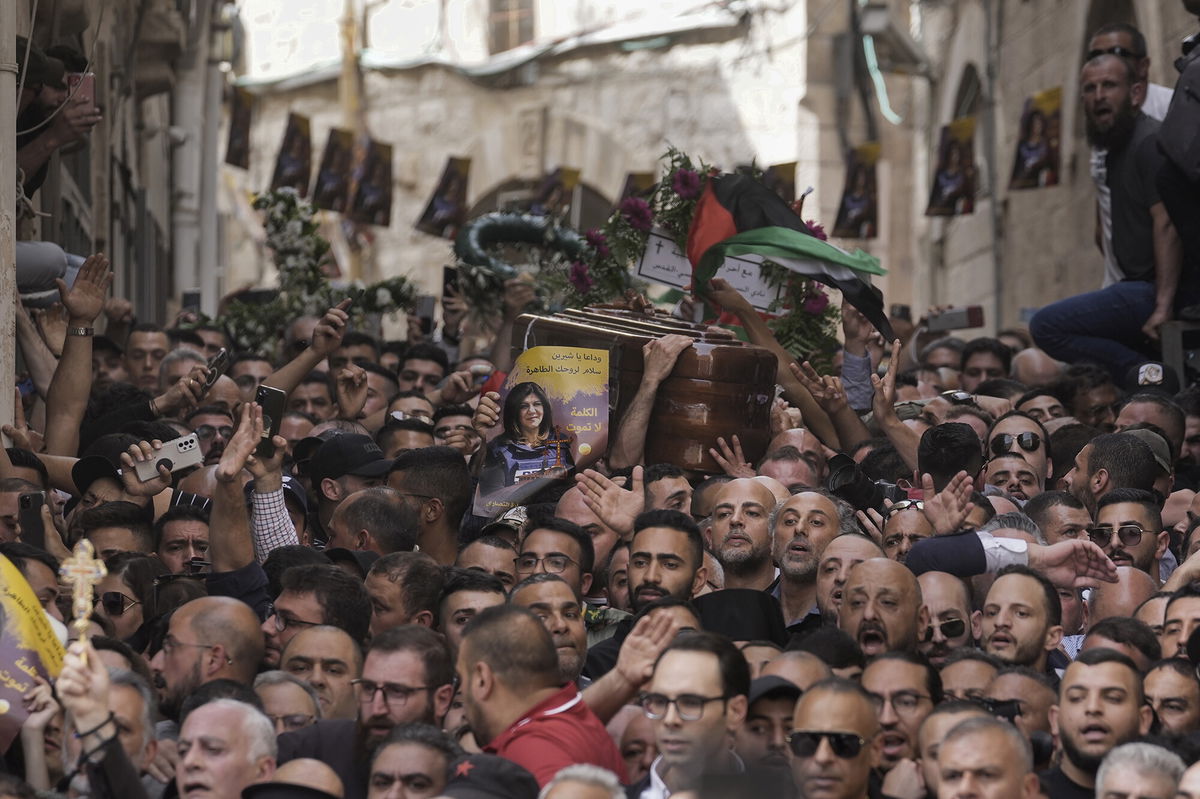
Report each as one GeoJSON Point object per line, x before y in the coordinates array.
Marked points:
{"type": "Point", "coordinates": [176, 454]}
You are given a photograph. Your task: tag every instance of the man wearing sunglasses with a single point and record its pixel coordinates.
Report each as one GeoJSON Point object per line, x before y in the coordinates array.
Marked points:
{"type": "Point", "coordinates": [1020, 433]}
{"type": "Point", "coordinates": [213, 427]}
{"type": "Point", "coordinates": [1129, 529]}
{"type": "Point", "coordinates": [833, 741]}
{"type": "Point", "coordinates": [697, 697]}
{"type": "Point", "coordinates": [952, 625]}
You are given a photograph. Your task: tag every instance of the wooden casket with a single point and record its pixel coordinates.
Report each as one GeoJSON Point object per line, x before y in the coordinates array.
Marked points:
{"type": "Point", "coordinates": [720, 386]}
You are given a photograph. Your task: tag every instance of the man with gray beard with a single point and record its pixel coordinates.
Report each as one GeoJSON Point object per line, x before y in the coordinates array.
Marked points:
{"type": "Point", "coordinates": [741, 533]}
{"type": "Point", "coordinates": [801, 526]}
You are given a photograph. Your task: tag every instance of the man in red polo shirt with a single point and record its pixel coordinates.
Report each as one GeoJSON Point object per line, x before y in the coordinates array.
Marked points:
{"type": "Point", "coordinates": [516, 703]}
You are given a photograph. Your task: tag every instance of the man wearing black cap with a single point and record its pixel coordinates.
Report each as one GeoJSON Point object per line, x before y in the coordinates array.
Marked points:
{"type": "Point", "coordinates": [762, 741]}
{"type": "Point", "coordinates": [341, 466]}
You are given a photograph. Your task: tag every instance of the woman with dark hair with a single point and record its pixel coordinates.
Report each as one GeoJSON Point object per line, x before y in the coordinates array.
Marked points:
{"type": "Point", "coordinates": [531, 445]}
{"type": "Point", "coordinates": [125, 596]}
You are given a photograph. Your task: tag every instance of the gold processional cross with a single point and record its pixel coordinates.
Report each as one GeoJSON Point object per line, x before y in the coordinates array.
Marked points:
{"type": "Point", "coordinates": [82, 571]}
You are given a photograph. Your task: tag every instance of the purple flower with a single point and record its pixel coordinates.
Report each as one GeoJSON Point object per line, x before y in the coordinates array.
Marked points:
{"type": "Point", "coordinates": [686, 183]}
{"type": "Point", "coordinates": [579, 277]}
{"type": "Point", "coordinates": [637, 212]}
{"type": "Point", "coordinates": [816, 301]}
{"type": "Point", "coordinates": [818, 230]}
{"type": "Point", "coordinates": [599, 242]}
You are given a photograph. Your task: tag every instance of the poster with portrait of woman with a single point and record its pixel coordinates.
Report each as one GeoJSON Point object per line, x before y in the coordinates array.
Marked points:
{"type": "Point", "coordinates": [294, 164]}
{"type": "Point", "coordinates": [1037, 162]}
{"type": "Point", "coordinates": [858, 214]}
{"type": "Point", "coordinates": [554, 193]}
{"type": "Point", "coordinates": [241, 109]}
{"type": "Point", "coordinates": [332, 190]}
{"type": "Point", "coordinates": [29, 649]}
{"type": "Point", "coordinates": [447, 208]}
{"type": "Point", "coordinates": [553, 421]}
{"type": "Point", "coordinates": [372, 203]}
{"type": "Point", "coordinates": [954, 182]}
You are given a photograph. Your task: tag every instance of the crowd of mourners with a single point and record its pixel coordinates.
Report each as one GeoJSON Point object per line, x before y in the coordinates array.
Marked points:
{"type": "Point", "coordinates": [961, 567]}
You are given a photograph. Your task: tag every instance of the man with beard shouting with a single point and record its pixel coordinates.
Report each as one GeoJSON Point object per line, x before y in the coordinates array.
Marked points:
{"type": "Point", "coordinates": [1100, 706]}
{"type": "Point", "coordinates": [882, 608]}
{"type": "Point", "coordinates": [1104, 326]}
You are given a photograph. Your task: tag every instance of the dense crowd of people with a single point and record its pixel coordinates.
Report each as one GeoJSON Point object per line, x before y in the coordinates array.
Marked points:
{"type": "Point", "coordinates": [961, 568]}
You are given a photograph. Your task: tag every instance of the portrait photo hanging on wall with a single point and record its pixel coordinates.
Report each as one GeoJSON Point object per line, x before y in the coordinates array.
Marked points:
{"type": "Point", "coordinates": [956, 178]}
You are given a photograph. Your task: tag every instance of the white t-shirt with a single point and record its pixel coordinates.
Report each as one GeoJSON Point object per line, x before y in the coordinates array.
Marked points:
{"type": "Point", "coordinates": [1158, 99]}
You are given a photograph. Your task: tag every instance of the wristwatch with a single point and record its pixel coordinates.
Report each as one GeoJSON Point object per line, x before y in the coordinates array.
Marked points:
{"type": "Point", "coordinates": [81, 331]}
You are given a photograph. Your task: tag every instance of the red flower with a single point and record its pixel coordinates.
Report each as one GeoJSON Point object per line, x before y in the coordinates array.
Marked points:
{"type": "Point", "coordinates": [579, 277]}
{"type": "Point", "coordinates": [637, 212]}
{"type": "Point", "coordinates": [818, 230]}
{"type": "Point", "coordinates": [599, 242]}
{"type": "Point", "coordinates": [816, 301]}
{"type": "Point", "coordinates": [686, 183]}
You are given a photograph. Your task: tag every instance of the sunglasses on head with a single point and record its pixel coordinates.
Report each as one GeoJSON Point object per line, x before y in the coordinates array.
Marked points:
{"type": "Point", "coordinates": [1117, 50]}
{"type": "Point", "coordinates": [804, 743]}
{"type": "Point", "coordinates": [115, 603]}
{"type": "Point", "coordinates": [950, 629]}
{"type": "Point", "coordinates": [1003, 443]}
{"type": "Point", "coordinates": [958, 397]}
{"type": "Point", "coordinates": [1129, 535]}
{"type": "Point", "coordinates": [904, 504]}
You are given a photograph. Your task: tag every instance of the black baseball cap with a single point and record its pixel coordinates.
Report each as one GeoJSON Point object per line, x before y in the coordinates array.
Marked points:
{"type": "Point", "coordinates": [772, 685]}
{"type": "Point", "coordinates": [1151, 376]}
{"type": "Point", "coordinates": [349, 453]}
{"type": "Point", "coordinates": [489, 777]}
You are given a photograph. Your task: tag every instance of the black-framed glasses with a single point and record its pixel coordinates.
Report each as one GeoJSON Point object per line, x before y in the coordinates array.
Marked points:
{"type": "Point", "coordinates": [845, 745]}
{"type": "Point", "coordinates": [1129, 535]}
{"type": "Point", "coordinates": [206, 432]}
{"type": "Point", "coordinates": [956, 396]}
{"type": "Point", "coordinates": [902, 505]}
{"type": "Point", "coordinates": [951, 628]}
{"type": "Point", "coordinates": [1117, 50]}
{"type": "Point", "coordinates": [283, 622]}
{"type": "Point", "coordinates": [291, 722]}
{"type": "Point", "coordinates": [1003, 443]}
{"type": "Point", "coordinates": [115, 603]}
{"type": "Point", "coordinates": [556, 563]}
{"type": "Point", "coordinates": [903, 702]}
{"type": "Point", "coordinates": [393, 692]}
{"type": "Point", "coordinates": [690, 707]}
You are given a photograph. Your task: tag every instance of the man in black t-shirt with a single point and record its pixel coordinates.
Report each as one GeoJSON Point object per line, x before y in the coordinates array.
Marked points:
{"type": "Point", "coordinates": [1111, 325]}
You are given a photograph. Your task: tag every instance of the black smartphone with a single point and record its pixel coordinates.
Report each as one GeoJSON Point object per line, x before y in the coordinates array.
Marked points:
{"type": "Point", "coordinates": [29, 517]}
{"type": "Point", "coordinates": [273, 402]}
{"type": "Point", "coordinates": [190, 300]}
{"type": "Point", "coordinates": [423, 308]}
{"type": "Point", "coordinates": [449, 280]}
{"type": "Point", "coordinates": [217, 365]}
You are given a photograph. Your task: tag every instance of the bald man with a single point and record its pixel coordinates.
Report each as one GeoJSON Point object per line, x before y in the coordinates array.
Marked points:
{"type": "Point", "coordinates": [210, 638]}
{"type": "Point", "coordinates": [1122, 598]}
{"type": "Point", "coordinates": [1035, 368]}
{"type": "Point", "coordinates": [952, 625]}
{"type": "Point", "coordinates": [801, 669]}
{"type": "Point", "coordinates": [882, 607]}
{"type": "Point", "coordinates": [741, 534]}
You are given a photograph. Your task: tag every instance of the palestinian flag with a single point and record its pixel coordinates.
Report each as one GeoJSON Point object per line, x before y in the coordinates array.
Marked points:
{"type": "Point", "coordinates": [738, 216]}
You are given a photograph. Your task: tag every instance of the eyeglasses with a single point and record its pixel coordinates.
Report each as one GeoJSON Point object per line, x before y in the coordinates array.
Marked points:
{"type": "Point", "coordinates": [283, 622]}
{"type": "Point", "coordinates": [845, 745]}
{"type": "Point", "coordinates": [690, 707]}
{"type": "Point", "coordinates": [292, 721]}
{"type": "Point", "coordinates": [903, 505]}
{"type": "Point", "coordinates": [903, 702]}
{"type": "Point", "coordinates": [1130, 535]}
{"type": "Point", "coordinates": [115, 603]}
{"type": "Point", "coordinates": [170, 643]}
{"type": "Point", "coordinates": [1003, 443]}
{"type": "Point", "coordinates": [393, 693]}
{"type": "Point", "coordinates": [1116, 50]}
{"type": "Point", "coordinates": [958, 397]}
{"type": "Point", "coordinates": [205, 432]}
{"type": "Point", "coordinates": [950, 629]}
{"type": "Point", "coordinates": [555, 563]}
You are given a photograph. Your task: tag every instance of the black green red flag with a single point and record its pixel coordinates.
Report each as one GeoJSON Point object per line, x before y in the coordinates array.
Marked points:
{"type": "Point", "coordinates": [738, 216]}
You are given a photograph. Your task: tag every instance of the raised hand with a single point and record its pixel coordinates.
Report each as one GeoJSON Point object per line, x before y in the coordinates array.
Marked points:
{"type": "Point", "coordinates": [729, 298]}
{"type": "Point", "coordinates": [730, 459]}
{"type": "Point", "coordinates": [642, 647]}
{"type": "Point", "coordinates": [518, 295]}
{"type": "Point", "coordinates": [459, 388]}
{"type": "Point", "coordinates": [617, 507]}
{"type": "Point", "coordinates": [487, 414]}
{"type": "Point", "coordinates": [327, 335]}
{"type": "Point", "coordinates": [118, 311]}
{"type": "Point", "coordinates": [884, 401]}
{"type": "Point", "coordinates": [239, 452]}
{"type": "Point", "coordinates": [52, 327]}
{"type": "Point", "coordinates": [84, 300]}
{"type": "Point", "coordinates": [351, 389]}
{"type": "Point", "coordinates": [947, 509]}
{"type": "Point", "coordinates": [185, 393]}
{"type": "Point", "coordinates": [82, 687]}
{"type": "Point", "coordinates": [140, 453]}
